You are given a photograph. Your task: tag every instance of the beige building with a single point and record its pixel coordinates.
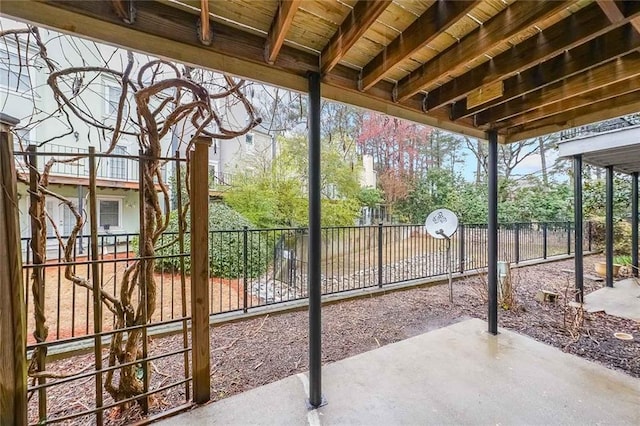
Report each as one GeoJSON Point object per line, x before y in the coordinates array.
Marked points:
{"type": "Point", "coordinates": [368, 175]}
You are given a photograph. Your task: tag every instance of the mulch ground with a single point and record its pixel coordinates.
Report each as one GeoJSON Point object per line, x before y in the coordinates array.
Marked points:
{"type": "Point", "coordinates": [255, 352]}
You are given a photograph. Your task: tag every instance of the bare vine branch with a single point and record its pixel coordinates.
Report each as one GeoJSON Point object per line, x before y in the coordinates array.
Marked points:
{"type": "Point", "coordinates": [156, 100]}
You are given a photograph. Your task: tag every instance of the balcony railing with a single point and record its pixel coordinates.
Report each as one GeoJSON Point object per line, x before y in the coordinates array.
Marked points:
{"type": "Point", "coordinates": [118, 168]}
{"type": "Point", "coordinates": [604, 126]}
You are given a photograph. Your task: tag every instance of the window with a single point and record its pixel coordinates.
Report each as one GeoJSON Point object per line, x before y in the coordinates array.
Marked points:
{"type": "Point", "coordinates": [112, 93]}
{"type": "Point", "coordinates": [118, 166]}
{"type": "Point", "coordinates": [68, 219]}
{"type": "Point", "coordinates": [54, 213]}
{"type": "Point", "coordinates": [12, 75]}
{"type": "Point", "coordinates": [109, 213]}
{"type": "Point", "coordinates": [113, 98]}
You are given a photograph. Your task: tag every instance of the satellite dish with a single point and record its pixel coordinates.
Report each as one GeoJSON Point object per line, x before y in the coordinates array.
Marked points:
{"type": "Point", "coordinates": [441, 223]}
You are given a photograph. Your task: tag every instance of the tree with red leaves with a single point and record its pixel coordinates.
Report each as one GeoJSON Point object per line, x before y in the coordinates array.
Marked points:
{"type": "Point", "coordinates": [400, 150]}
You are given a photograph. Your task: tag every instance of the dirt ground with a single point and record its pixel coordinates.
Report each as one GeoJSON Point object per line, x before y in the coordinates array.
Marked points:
{"type": "Point", "coordinates": [69, 308]}
{"type": "Point", "coordinates": [255, 352]}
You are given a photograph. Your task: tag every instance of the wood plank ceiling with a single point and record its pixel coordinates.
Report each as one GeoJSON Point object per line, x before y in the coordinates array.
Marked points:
{"type": "Point", "coordinates": [523, 68]}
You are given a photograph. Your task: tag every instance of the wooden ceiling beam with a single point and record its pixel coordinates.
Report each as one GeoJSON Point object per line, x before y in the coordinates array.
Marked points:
{"type": "Point", "coordinates": [166, 31]}
{"type": "Point", "coordinates": [511, 21]}
{"type": "Point", "coordinates": [610, 9]}
{"type": "Point", "coordinates": [598, 111]}
{"type": "Point", "coordinates": [357, 22]}
{"type": "Point", "coordinates": [340, 86]}
{"type": "Point", "coordinates": [614, 13]}
{"type": "Point", "coordinates": [581, 27]}
{"type": "Point", "coordinates": [616, 43]}
{"type": "Point", "coordinates": [279, 28]}
{"type": "Point", "coordinates": [611, 72]}
{"type": "Point", "coordinates": [582, 100]}
{"type": "Point", "coordinates": [440, 16]}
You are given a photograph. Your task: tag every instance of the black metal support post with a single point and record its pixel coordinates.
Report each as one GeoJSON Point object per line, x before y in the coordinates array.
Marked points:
{"type": "Point", "coordinates": [516, 245]}
{"type": "Point", "coordinates": [461, 247]}
{"type": "Point", "coordinates": [492, 232]}
{"type": "Point", "coordinates": [81, 209]}
{"type": "Point", "coordinates": [245, 273]}
{"type": "Point", "coordinates": [634, 223]}
{"type": "Point", "coordinates": [380, 237]}
{"type": "Point", "coordinates": [315, 244]}
{"type": "Point", "coordinates": [609, 227]}
{"type": "Point", "coordinates": [577, 217]}
{"type": "Point", "coordinates": [544, 240]}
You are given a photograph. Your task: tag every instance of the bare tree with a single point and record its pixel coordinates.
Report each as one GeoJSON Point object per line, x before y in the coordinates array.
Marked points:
{"type": "Point", "coordinates": [513, 154]}
{"type": "Point", "coordinates": [282, 110]}
{"type": "Point", "coordinates": [445, 149]}
{"type": "Point", "coordinates": [545, 145]}
{"type": "Point", "coordinates": [478, 148]}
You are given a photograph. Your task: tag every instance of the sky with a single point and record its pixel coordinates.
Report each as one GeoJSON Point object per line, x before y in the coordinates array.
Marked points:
{"type": "Point", "coordinates": [530, 166]}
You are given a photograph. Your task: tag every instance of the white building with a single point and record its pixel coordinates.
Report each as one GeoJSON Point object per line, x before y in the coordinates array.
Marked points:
{"type": "Point", "coordinates": [26, 96]}
{"type": "Point", "coordinates": [228, 157]}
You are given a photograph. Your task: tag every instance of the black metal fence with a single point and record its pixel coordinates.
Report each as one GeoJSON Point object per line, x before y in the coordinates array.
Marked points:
{"type": "Point", "coordinates": [63, 309]}
{"type": "Point", "coordinates": [252, 268]}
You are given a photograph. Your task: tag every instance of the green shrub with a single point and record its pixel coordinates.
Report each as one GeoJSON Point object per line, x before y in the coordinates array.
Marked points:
{"type": "Point", "coordinates": [621, 235]}
{"type": "Point", "coordinates": [623, 260]}
{"type": "Point", "coordinates": [226, 254]}
{"type": "Point", "coordinates": [370, 197]}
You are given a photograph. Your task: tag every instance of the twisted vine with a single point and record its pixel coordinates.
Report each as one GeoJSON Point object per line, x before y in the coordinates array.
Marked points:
{"type": "Point", "coordinates": [165, 99]}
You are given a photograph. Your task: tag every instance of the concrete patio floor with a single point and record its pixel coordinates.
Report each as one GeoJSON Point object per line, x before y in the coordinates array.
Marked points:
{"type": "Point", "coordinates": [622, 300]}
{"type": "Point", "coordinates": [454, 375]}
